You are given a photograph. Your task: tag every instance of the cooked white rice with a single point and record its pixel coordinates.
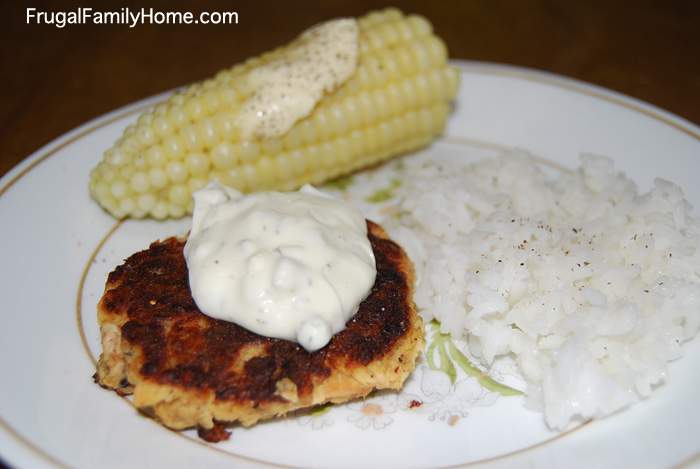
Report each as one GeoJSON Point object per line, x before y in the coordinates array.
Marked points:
{"type": "Point", "coordinates": [591, 286]}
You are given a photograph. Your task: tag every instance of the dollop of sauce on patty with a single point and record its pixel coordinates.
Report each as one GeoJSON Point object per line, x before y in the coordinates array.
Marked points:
{"type": "Point", "coordinates": [293, 266]}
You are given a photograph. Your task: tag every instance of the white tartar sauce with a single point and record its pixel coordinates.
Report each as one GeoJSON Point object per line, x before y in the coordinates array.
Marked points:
{"type": "Point", "coordinates": [288, 88]}
{"type": "Point", "coordinates": [293, 265]}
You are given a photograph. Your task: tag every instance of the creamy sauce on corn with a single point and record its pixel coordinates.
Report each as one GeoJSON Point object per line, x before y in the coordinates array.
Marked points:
{"type": "Point", "coordinates": [293, 266]}
{"type": "Point", "coordinates": [288, 88]}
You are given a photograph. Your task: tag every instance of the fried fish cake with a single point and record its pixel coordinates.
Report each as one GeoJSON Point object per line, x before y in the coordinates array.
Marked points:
{"type": "Point", "coordinates": [187, 370]}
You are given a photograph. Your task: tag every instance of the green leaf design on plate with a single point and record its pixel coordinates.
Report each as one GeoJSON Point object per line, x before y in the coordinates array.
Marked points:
{"type": "Point", "coordinates": [448, 353]}
{"type": "Point", "coordinates": [445, 365]}
{"type": "Point", "coordinates": [341, 183]}
{"type": "Point", "coordinates": [320, 410]}
{"type": "Point", "coordinates": [382, 195]}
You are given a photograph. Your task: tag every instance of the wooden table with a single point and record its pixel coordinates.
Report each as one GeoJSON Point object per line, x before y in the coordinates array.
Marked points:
{"type": "Point", "coordinates": [56, 79]}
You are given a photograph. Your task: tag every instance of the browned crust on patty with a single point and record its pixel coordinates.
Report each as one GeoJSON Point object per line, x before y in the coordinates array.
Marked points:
{"type": "Point", "coordinates": [187, 369]}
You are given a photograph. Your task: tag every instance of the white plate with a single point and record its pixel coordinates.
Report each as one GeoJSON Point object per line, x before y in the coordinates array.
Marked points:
{"type": "Point", "coordinates": [54, 267]}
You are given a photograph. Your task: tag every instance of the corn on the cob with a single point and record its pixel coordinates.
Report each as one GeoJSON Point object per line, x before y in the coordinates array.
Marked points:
{"type": "Point", "coordinates": [397, 100]}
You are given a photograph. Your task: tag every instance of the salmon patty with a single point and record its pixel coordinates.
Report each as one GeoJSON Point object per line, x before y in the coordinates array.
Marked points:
{"type": "Point", "coordinates": [188, 370]}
